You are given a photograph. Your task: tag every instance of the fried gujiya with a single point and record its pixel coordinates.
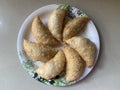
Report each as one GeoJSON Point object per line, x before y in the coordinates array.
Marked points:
{"type": "Point", "coordinates": [85, 48]}
{"type": "Point", "coordinates": [53, 67]}
{"type": "Point", "coordinates": [55, 22]}
{"type": "Point", "coordinates": [74, 26]}
{"type": "Point", "coordinates": [41, 33]}
{"type": "Point", "coordinates": [74, 64]}
{"type": "Point", "coordinates": [38, 52]}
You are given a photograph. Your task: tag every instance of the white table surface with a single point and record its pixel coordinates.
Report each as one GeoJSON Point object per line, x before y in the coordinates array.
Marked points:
{"type": "Point", "coordinates": [106, 15]}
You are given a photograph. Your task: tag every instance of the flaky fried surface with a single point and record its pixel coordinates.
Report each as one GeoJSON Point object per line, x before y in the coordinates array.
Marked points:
{"type": "Point", "coordinates": [74, 64]}
{"type": "Point", "coordinates": [74, 26]}
{"type": "Point", "coordinates": [55, 23]}
{"type": "Point", "coordinates": [41, 33]}
{"type": "Point", "coordinates": [38, 52]}
{"type": "Point", "coordinates": [85, 48]}
{"type": "Point", "coordinates": [53, 67]}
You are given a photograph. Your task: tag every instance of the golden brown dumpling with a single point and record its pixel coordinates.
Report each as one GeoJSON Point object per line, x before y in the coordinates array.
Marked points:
{"type": "Point", "coordinates": [41, 33]}
{"type": "Point", "coordinates": [53, 67]}
{"type": "Point", "coordinates": [38, 52]}
{"type": "Point", "coordinates": [74, 26]}
{"type": "Point", "coordinates": [85, 48]}
{"type": "Point", "coordinates": [55, 22]}
{"type": "Point", "coordinates": [74, 64]}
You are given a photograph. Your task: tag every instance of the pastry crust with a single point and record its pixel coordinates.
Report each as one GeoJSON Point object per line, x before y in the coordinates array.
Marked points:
{"type": "Point", "coordinates": [85, 48]}
{"type": "Point", "coordinates": [53, 67]}
{"type": "Point", "coordinates": [74, 64]}
{"type": "Point", "coordinates": [74, 26]}
{"type": "Point", "coordinates": [41, 33]}
{"type": "Point", "coordinates": [38, 52]}
{"type": "Point", "coordinates": [55, 22]}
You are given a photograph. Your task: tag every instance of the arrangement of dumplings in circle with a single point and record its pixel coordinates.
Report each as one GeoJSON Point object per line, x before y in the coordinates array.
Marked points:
{"type": "Point", "coordinates": [55, 22]}
{"type": "Point", "coordinates": [74, 26]}
{"type": "Point", "coordinates": [59, 46]}
{"type": "Point", "coordinates": [85, 48]}
{"type": "Point", "coordinates": [53, 67]}
{"type": "Point", "coordinates": [74, 64]}
{"type": "Point", "coordinates": [41, 33]}
{"type": "Point", "coordinates": [38, 52]}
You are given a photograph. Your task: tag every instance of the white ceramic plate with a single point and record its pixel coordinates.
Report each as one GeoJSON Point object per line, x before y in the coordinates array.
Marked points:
{"type": "Point", "coordinates": [25, 32]}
